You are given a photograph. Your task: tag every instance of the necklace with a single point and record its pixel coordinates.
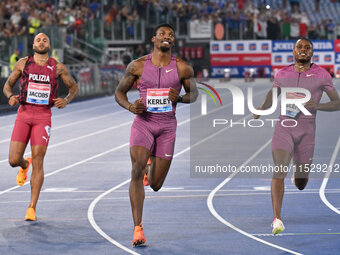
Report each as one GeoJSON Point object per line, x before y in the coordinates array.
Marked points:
{"type": "Point", "coordinates": [302, 68]}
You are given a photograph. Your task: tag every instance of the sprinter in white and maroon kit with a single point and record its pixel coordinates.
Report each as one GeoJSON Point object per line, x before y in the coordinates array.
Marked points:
{"type": "Point", "coordinates": [38, 93]}
{"type": "Point", "coordinates": [298, 142]}
{"type": "Point", "coordinates": [159, 77]}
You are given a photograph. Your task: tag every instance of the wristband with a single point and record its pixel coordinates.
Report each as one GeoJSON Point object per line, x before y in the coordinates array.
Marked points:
{"type": "Point", "coordinates": [129, 107]}
{"type": "Point", "coordinates": [66, 100]}
{"type": "Point", "coordinates": [10, 97]}
{"type": "Point", "coordinates": [180, 99]}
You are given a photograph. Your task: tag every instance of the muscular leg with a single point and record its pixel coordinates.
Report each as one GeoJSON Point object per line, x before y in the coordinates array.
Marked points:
{"type": "Point", "coordinates": [16, 153]}
{"type": "Point", "coordinates": [281, 158]}
{"type": "Point", "coordinates": [301, 174]}
{"type": "Point", "coordinates": [158, 172]}
{"type": "Point", "coordinates": [37, 177]}
{"type": "Point", "coordinates": [139, 157]}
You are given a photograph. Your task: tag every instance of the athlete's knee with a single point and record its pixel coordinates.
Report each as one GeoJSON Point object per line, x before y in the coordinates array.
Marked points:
{"type": "Point", "coordinates": [280, 170]}
{"type": "Point", "coordinates": [137, 171]}
{"type": "Point", "coordinates": [279, 175]}
{"type": "Point", "coordinates": [13, 161]}
{"type": "Point", "coordinates": [155, 186]}
{"type": "Point", "coordinates": [301, 183]}
{"type": "Point", "coordinates": [37, 163]}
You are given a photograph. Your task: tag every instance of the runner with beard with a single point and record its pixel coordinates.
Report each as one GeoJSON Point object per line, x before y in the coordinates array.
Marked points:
{"type": "Point", "coordinates": [38, 93]}
{"type": "Point", "coordinates": [297, 142]}
{"type": "Point", "coordinates": [159, 77]}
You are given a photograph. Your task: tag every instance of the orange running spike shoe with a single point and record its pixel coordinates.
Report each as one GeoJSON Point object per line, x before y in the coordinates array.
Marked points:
{"type": "Point", "coordinates": [145, 179]}
{"type": "Point", "coordinates": [30, 214]}
{"type": "Point", "coordinates": [138, 236]}
{"type": "Point", "coordinates": [22, 174]}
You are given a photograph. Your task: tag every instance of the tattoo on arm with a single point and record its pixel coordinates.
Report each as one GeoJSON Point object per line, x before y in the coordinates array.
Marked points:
{"type": "Point", "coordinates": [128, 79]}
{"type": "Point", "coordinates": [125, 85]}
{"type": "Point", "coordinates": [68, 81]}
{"type": "Point", "coordinates": [12, 79]}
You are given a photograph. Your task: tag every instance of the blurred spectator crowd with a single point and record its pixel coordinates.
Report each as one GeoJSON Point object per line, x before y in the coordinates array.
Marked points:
{"type": "Point", "coordinates": [22, 17]}
{"type": "Point", "coordinates": [259, 21]}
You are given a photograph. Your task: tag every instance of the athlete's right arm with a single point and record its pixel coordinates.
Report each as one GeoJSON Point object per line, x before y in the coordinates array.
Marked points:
{"type": "Point", "coordinates": [268, 101]}
{"type": "Point", "coordinates": [125, 84]}
{"type": "Point", "coordinates": [12, 79]}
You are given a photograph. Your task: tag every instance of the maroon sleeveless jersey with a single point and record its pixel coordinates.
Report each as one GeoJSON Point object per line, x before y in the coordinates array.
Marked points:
{"type": "Point", "coordinates": [38, 85]}
{"type": "Point", "coordinates": [154, 87]}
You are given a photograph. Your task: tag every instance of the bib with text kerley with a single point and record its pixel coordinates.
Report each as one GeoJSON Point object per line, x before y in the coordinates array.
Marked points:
{"type": "Point", "coordinates": [38, 93]}
{"type": "Point", "coordinates": [157, 100]}
{"type": "Point", "coordinates": [291, 109]}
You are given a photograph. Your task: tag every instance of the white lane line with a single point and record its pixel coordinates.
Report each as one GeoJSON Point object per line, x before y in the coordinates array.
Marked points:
{"type": "Point", "coordinates": [82, 161]}
{"type": "Point", "coordinates": [72, 123]}
{"type": "Point", "coordinates": [327, 176]}
{"type": "Point", "coordinates": [228, 224]}
{"type": "Point", "coordinates": [76, 123]}
{"type": "Point", "coordinates": [93, 204]}
{"type": "Point", "coordinates": [79, 162]}
{"type": "Point", "coordinates": [88, 108]}
{"type": "Point", "coordinates": [97, 228]}
{"type": "Point", "coordinates": [297, 234]}
{"type": "Point", "coordinates": [64, 114]}
{"type": "Point", "coordinates": [79, 138]}
{"type": "Point", "coordinates": [87, 135]}
{"type": "Point", "coordinates": [56, 190]}
{"type": "Point", "coordinates": [154, 197]}
{"type": "Point", "coordinates": [72, 165]}
{"type": "Point", "coordinates": [49, 200]}
{"type": "Point", "coordinates": [93, 222]}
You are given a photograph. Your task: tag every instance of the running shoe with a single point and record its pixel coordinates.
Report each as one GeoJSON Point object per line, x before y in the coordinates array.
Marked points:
{"type": "Point", "coordinates": [277, 226]}
{"type": "Point", "coordinates": [22, 174]}
{"type": "Point", "coordinates": [138, 236]}
{"type": "Point", "coordinates": [145, 179]}
{"type": "Point", "coordinates": [30, 214]}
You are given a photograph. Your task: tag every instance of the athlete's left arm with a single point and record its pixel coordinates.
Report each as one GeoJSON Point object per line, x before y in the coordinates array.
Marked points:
{"type": "Point", "coordinates": [68, 80]}
{"type": "Point", "coordinates": [186, 76]}
{"type": "Point", "coordinates": [333, 105]}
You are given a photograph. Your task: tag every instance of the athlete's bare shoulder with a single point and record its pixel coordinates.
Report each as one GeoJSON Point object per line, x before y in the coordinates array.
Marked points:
{"type": "Point", "coordinates": [133, 71]}
{"type": "Point", "coordinates": [17, 72]}
{"type": "Point", "coordinates": [61, 68]}
{"type": "Point", "coordinates": [24, 59]}
{"type": "Point", "coordinates": [21, 63]}
{"type": "Point", "coordinates": [185, 71]}
{"type": "Point", "coordinates": [136, 67]}
{"type": "Point", "coordinates": [141, 59]}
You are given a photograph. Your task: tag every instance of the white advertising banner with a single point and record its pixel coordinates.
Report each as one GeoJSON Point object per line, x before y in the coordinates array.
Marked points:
{"type": "Point", "coordinates": [200, 29]}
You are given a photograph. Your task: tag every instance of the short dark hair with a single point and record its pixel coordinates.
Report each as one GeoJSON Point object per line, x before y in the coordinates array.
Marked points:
{"type": "Point", "coordinates": [305, 39]}
{"type": "Point", "coordinates": [162, 25]}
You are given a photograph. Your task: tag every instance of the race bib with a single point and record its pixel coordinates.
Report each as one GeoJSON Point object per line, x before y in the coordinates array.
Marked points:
{"type": "Point", "coordinates": [291, 109]}
{"type": "Point", "coordinates": [38, 93]}
{"type": "Point", "coordinates": [157, 100]}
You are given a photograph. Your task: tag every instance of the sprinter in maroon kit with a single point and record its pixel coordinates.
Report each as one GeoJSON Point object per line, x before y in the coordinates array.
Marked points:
{"type": "Point", "coordinates": [38, 93]}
